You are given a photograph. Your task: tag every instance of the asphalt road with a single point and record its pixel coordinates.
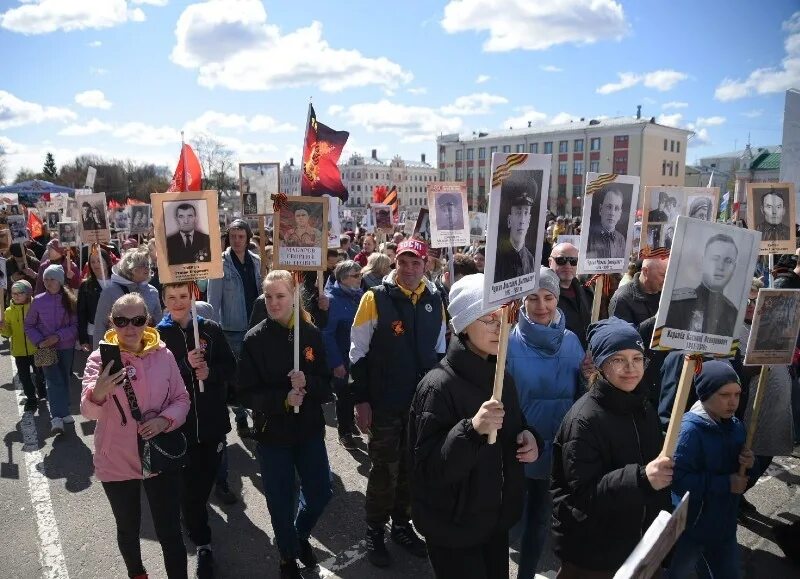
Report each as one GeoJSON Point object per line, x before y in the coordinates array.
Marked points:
{"type": "Point", "coordinates": [56, 522]}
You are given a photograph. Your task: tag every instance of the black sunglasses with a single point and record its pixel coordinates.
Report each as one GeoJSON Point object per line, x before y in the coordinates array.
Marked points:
{"type": "Point", "coordinates": [121, 321]}
{"type": "Point", "coordinates": [566, 260]}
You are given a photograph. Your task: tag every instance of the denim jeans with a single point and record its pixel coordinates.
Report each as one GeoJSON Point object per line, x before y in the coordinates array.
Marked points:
{"type": "Point", "coordinates": [718, 561]}
{"type": "Point", "coordinates": [534, 526]}
{"type": "Point", "coordinates": [278, 466]}
{"type": "Point", "coordinates": [57, 379]}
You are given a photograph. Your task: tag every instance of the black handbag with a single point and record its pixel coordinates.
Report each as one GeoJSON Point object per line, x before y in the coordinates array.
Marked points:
{"type": "Point", "coordinates": [165, 452]}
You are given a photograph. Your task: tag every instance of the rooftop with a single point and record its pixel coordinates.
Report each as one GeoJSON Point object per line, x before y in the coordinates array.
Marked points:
{"type": "Point", "coordinates": [766, 161]}
{"type": "Point", "coordinates": [738, 154]}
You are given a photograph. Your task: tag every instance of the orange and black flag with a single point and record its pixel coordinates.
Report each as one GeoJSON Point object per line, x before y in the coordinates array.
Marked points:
{"type": "Point", "coordinates": [321, 153]}
{"type": "Point", "coordinates": [392, 201]}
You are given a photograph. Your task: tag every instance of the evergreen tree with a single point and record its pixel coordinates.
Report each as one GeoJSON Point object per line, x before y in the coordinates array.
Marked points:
{"type": "Point", "coordinates": [50, 170]}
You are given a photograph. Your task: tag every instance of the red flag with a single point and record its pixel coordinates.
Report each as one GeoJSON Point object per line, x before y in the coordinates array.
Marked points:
{"type": "Point", "coordinates": [114, 204]}
{"type": "Point", "coordinates": [188, 174]}
{"type": "Point", "coordinates": [34, 224]}
{"type": "Point", "coordinates": [321, 152]}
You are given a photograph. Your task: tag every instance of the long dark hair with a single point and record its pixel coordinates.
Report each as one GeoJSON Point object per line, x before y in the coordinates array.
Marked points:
{"type": "Point", "coordinates": [106, 264]}
{"type": "Point", "coordinates": [68, 301]}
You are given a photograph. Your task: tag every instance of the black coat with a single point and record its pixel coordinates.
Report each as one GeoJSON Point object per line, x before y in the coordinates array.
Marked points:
{"type": "Point", "coordinates": [263, 386]}
{"type": "Point", "coordinates": [602, 500]}
{"type": "Point", "coordinates": [632, 304]}
{"type": "Point", "coordinates": [463, 489]}
{"type": "Point", "coordinates": [88, 296]}
{"type": "Point", "coordinates": [208, 419]}
{"type": "Point", "coordinates": [198, 251]}
{"type": "Point", "coordinates": [577, 310]}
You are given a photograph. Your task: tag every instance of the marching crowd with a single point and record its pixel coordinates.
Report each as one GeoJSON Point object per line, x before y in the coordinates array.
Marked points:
{"type": "Point", "coordinates": [400, 342]}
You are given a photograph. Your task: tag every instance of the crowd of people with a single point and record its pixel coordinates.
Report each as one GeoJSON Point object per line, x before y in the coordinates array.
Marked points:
{"type": "Point", "coordinates": [401, 344]}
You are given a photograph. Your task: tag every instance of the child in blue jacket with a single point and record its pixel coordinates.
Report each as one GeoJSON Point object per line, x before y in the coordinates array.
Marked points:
{"type": "Point", "coordinates": [707, 460]}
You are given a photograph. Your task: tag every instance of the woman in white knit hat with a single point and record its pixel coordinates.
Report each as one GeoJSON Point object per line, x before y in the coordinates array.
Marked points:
{"type": "Point", "coordinates": [467, 494]}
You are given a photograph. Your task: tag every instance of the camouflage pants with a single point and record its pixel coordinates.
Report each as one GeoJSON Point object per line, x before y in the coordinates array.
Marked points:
{"type": "Point", "coordinates": [387, 488]}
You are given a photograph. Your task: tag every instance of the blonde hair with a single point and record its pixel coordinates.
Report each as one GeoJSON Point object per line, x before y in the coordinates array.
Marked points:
{"type": "Point", "coordinates": [380, 263]}
{"type": "Point", "coordinates": [286, 277]}
{"type": "Point", "coordinates": [131, 259]}
{"type": "Point", "coordinates": [757, 283]}
{"type": "Point", "coordinates": [131, 299]}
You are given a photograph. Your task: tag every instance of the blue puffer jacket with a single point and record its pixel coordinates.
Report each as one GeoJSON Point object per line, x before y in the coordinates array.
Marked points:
{"type": "Point", "coordinates": [336, 333]}
{"type": "Point", "coordinates": [545, 362]}
{"type": "Point", "coordinates": [705, 458]}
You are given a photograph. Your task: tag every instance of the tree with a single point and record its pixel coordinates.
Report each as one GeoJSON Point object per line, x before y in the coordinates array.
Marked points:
{"type": "Point", "coordinates": [217, 163]}
{"type": "Point", "coordinates": [50, 170]}
{"type": "Point", "coordinates": [26, 175]}
{"type": "Point", "coordinates": [2, 166]}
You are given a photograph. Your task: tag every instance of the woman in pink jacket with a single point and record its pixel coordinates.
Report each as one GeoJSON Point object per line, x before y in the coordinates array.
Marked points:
{"type": "Point", "coordinates": [162, 397]}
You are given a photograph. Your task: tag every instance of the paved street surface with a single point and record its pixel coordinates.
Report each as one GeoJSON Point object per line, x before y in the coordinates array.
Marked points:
{"type": "Point", "coordinates": [56, 522]}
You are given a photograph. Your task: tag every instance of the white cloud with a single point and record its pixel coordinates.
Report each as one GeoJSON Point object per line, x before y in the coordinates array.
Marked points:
{"type": "Point", "coordinates": [92, 127]}
{"type": "Point", "coordinates": [45, 16]}
{"type": "Point", "coordinates": [15, 112]}
{"type": "Point", "coordinates": [526, 115]}
{"type": "Point", "coordinates": [231, 45]}
{"type": "Point", "coordinates": [413, 124]}
{"type": "Point", "coordinates": [551, 68]}
{"type": "Point", "coordinates": [210, 121]}
{"type": "Point", "coordinates": [753, 114]}
{"type": "Point", "coordinates": [674, 105]}
{"type": "Point", "coordinates": [9, 147]}
{"type": "Point", "coordinates": [700, 138]}
{"type": "Point", "coordinates": [526, 25]}
{"type": "Point", "coordinates": [93, 99]}
{"type": "Point", "coordinates": [482, 78]}
{"type": "Point", "coordinates": [95, 44]}
{"type": "Point", "coordinates": [661, 80]}
{"type": "Point", "coordinates": [418, 91]}
{"type": "Point", "coordinates": [769, 80]}
{"type": "Point", "coordinates": [701, 135]}
{"type": "Point", "coordinates": [143, 134]}
{"type": "Point", "coordinates": [96, 71]}
{"type": "Point", "coordinates": [335, 109]}
{"type": "Point", "coordinates": [710, 121]}
{"type": "Point", "coordinates": [562, 119]}
{"type": "Point", "coordinates": [671, 120]}
{"type": "Point", "coordinates": [474, 104]}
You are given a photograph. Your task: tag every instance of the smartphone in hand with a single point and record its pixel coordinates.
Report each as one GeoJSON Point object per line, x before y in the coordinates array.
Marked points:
{"type": "Point", "coordinates": [110, 353]}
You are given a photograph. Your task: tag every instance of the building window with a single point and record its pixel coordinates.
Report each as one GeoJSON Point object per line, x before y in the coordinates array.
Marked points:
{"type": "Point", "coordinates": [669, 165]}
{"type": "Point", "coordinates": [620, 141]}
{"type": "Point", "coordinates": [470, 174]}
{"type": "Point", "coordinates": [459, 174]}
{"type": "Point", "coordinates": [677, 146]}
{"type": "Point", "coordinates": [594, 144]}
{"type": "Point", "coordinates": [520, 148]}
{"type": "Point", "coordinates": [578, 146]}
{"type": "Point", "coordinates": [562, 168]}
{"type": "Point", "coordinates": [459, 154]}
{"type": "Point", "coordinates": [672, 146]}
{"type": "Point", "coordinates": [665, 144]}
{"type": "Point", "coordinates": [577, 190]}
{"type": "Point", "coordinates": [548, 147]}
{"type": "Point", "coordinates": [577, 168]}
{"type": "Point", "coordinates": [358, 175]}
{"type": "Point", "coordinates": [470, 154]}
{"type": "Point", "coordinates": [482, 153]}
{"type": "Point", "coordinates": [563, 146]}
{"type": "Point", "coordinates": [482, 174]}
{"type": "Point", "coordinates": [663, 167]}
{"type": "Point", "coordinates": [358, 188]}
{"type": "Point", "coordinates": [533, 148]}
{"type": "Point", "coordinates": [677, 164]}
{"type": "Point", "coordinates": [493, 150]}
{"type": "Point", "coordinates": [506, 148]}
{"type": "Point", "coordinates": [562, 190]}
{"type": "Point", "coordinates": [442, 175]}
{"type": "Point", "coordinates": [594, 166]}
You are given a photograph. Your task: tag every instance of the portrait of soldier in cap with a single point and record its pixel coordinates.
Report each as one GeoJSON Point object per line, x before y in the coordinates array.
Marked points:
{"type": "Point", "coordinates": [605, 238]}
{"type": "Point", "coordinates": [449, 213]}
{"type": "Point", "coordinates": [514, 243]}
{"type": "Point", "coordinates": [770, 215]}
{"type": "Point", "coordinates": [660, 215]}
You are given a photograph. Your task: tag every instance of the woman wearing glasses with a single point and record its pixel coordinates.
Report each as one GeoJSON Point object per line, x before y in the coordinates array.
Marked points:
{"type": "Point", "coordinates": [344, 297]}
{"type": "Point", "coordinates": [608, 483]}
{"type": "Point", "coordinates": [544, 358]}
{"type": "Point", "coordinates": [162, 398]}
{"type": "Point", "coordinates": [466, 494]}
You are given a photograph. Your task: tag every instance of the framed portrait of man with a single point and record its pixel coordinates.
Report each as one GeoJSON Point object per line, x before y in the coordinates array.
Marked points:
{"type": "Point", "coordinates": [300, 234]}
{"type": "Point", "coordinates": [449, 214]}
{"type": "Point", "coordinates": [706, 286]}
{"type": "Point", "coordinates": [14, 209]}
{"type": "Point", "coordinates": [187, 235]}
{"type": "Point", "coordinates": [477, 225]}
{"type": "Point", "coordinates": [121, 219]}
{"type": "Point", "coordinates": [382, 217]}
{"type": "Point", "coordinates": [661, 207]}
{"type": "Point", "coordinates": [770, 210]}
{"type": "Point", "coordinates": [18, 227]}
{"type": "Point", "coordinates": [609, 214]}
{"type": "Point", "coordinates": [422, 227]}
{"type": "Point", "coordinates": [93, 218]}
{"type": "Point", "coordinates": [68, 233]}
{"type": "Point", "coordinates": [776, 323]}
{"type": "Point", "coordinates": [257, 183]}
{"type": "Point", "coordinates": [139, 219]}
{"type": "Point", "coordinates": [53, 217]}
{"type": "Point", "coordinates": [515, 232]}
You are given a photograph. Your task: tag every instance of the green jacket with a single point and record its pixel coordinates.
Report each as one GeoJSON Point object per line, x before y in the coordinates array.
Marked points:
{"type": "Point", "coordinates": [13, 328]}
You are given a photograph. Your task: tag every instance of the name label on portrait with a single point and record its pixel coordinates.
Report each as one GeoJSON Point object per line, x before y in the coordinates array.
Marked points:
{"type": "Point", "coordinates": [695, 341]}
{"type": "Point", "coordinates": [300, 256]}
{"type": "Point", "coordinates": [513, 286]}
{"type": "Point", "coordinates": [605, 264]}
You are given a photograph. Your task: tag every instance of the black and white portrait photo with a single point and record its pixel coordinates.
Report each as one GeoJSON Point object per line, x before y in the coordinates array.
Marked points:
{"type": "Point", "coordinates": [93, 218]}
{"type": "Point", "coordinates": [477, 225]}
{"type": "Point", "coordinates": [68, 233]}
{"type": "Point", "coordinates": [776, 323]}
{"type": "Point", "coordinates": [53, 217]}
{"type": "Point", "coordinates": [663, 205]}
{"type": "Point", "coordinates": [382, 217]}
{"type": "Point", "coordinates": [770, 209]}
{"type": "Point", "coordinates": [447, 202]}
{"type": "Point", "coordinates": [18, 227]}
{"type": "Point", "coordinates": [706, 286]}
{"type": "Point", "coordinates": [422, 228]}
{"type": "Point", "coordinates": [700, 207]}
{"type": "Point", "coordinates": [140, 219]}
{"type": "Point", "coordinates": [14, 209]}
{"type": "Point", "coordinates": [257, 183]}
{"type": "Point", "coordinates": [187, 227]}
{"type": "Point", "coordinates": [249, 204]}
{"type": "Point", "coordinates": [121, 218]}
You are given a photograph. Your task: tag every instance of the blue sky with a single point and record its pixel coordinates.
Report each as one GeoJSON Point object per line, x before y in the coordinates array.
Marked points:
{"type": "Point", "coordinates": [121, 78]}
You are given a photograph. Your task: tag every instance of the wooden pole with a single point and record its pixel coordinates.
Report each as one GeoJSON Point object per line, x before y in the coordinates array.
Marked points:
{"type": "Point", "coordinates": [196, 330]}
{"type": "Point", "coordinates": [321, 283]}
{"type": "Point", "coordinates": [452, 266]}
{"type": "Point", "coordinates": [598, 298]}
{"type": "Point", "coordinates": [24, 254]}
{"type": "Point", "coordinates": [757, 399]}
{"type": "Point", "coordinates": [297, 333]}
{"type": "Point", "coordinates": [770, 265]}
{"type": "Point", "coordinates": [679, 406]}
{"type": "Point", "coordinates": [102, 263]}
{"type": "Point", "coordinates": [500, 369]}
{"type": "Point", "coordinates": [262, 244]}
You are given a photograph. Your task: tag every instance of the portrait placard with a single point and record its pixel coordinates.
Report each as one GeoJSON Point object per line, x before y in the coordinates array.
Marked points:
{"type": "Point", "coordinates": [408, 227]}
{"type": "Point", "coordinates": [187, 236]}
{"type": "Point", "coordinates": [334, 223]}
{"type": "Point", "coordinates": [776, 323]}
{"type": "Point", "coordinates": [9, 199]}
{"type": "Point", "coordinates": [14, 209]}
{"type": "Point", "coordinates": [708, 279]}
{"type": "Point", "coordinates": [382, 217]}
{"type": "Point", "coordinates": [93, 218]}
{"type": "Point", "coordinates": [661, 207]}
{"type": "Point", "coordinates": [770, 207]}
{"type": "Point", "coordinates": [478, 221]}
{"type": "Point", "coordinates": [68, 233]}
{"type": "Point", "coordinates": [449, 214]}
{"type": "Point", "coordinates": [120, 218]}
{"type": "Point", "coordinates": [5, 237]}
{"type": "Point", "coordinates": [139, 219]}
{"type": "Point", "coordinates": [515, 233]}
{"type": "Point", "coordinates": [53, 217]}
{"type": "Point", "coordinates": [257, 183]}
{"type": "Point", "coordinates": [422, 227]}
{"type": "Point", "coordinates": [301, 234]}
{"type": "Point", "coordinates": [18, 227]}
{"type": "Point", "coordinates": [609, 213]}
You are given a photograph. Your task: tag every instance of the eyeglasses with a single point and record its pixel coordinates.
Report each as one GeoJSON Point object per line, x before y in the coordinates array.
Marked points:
{"type": "Point", "coordinates": [619, 364]}
{"type": "Point", "coordinates": [491, 322]}
{"type": "Point", "coordinates": [751, 301]}
{"type": "Point", "coordinates": [121, 321]}
{"type": "Point", "coordinates": [573, 261]}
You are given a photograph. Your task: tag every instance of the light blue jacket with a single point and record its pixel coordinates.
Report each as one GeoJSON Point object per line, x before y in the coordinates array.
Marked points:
{"type": "Point", "coordinates": [545, 362]}
{"type": "Point", "coordinates": [226, 294]}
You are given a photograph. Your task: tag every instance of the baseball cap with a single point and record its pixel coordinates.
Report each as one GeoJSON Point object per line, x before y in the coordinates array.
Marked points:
{"type": "Point", "coordinates": [415, 246]}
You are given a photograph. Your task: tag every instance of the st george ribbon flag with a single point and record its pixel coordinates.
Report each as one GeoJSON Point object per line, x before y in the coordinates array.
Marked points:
{"type": "Point", "coordinates": [321, 152]}
{"type": "Point", "coordinates": [188, 174]}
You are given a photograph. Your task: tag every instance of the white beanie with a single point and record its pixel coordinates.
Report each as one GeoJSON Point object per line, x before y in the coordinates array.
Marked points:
{"type": "Point", "coordinates": [549, 281]}
{"type": "Point", "coordinates": [466, 302]}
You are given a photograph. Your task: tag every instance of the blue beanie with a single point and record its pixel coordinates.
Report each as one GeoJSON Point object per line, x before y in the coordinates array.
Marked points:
{"type": "Point", "coordinates": [713, 376]}
{"type": "Point", "coordinates": [607, 337]}
{"type": "Point", "coordinates": [54, 271]}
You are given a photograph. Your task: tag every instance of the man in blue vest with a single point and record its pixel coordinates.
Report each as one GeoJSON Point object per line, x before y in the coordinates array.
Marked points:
{"type": "Point", "coordinates": [398, 335]}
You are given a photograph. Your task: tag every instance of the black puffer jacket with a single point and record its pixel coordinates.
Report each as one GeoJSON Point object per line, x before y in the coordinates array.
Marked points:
{"type": "Point", "coordinates": [632, 304]}
{"type": "Point", "coordinates": [88, 296]}
{"type": "Point", "coordinates": [266, 360]}
{"type": "Point", "coordinates": [602, 500]}
{"type": "Point", "coordinates": [463, 489]}
{"type": "Point", "coordinates": [577, 309]}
